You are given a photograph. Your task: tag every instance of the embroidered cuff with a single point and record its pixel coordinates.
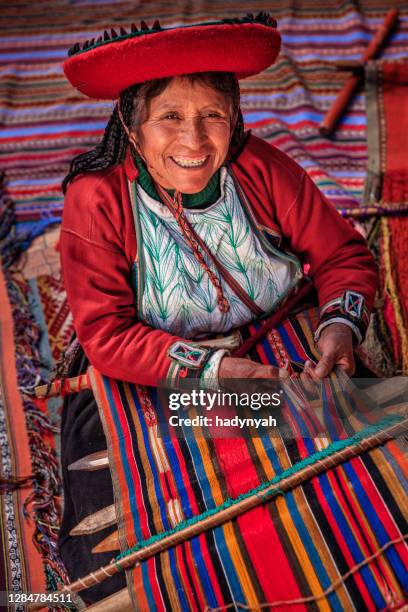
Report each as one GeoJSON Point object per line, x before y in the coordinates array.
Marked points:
{"type": "Point", "coordinates": [187, 362]}
{"type": "Point", "coordinates": [209, 374]}
{"type": "Point", "coordinates": [348, 309]}
{"type": "Point", "coordinates": [189, 355]}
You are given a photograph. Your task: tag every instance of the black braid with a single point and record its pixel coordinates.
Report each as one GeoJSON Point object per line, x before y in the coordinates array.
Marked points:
{"type": "Point", "coordinates": [111, 150]}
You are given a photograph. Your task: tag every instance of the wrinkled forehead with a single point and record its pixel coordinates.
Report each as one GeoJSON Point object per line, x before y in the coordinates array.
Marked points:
{"type": "Point", "coordinates": [188, 95]}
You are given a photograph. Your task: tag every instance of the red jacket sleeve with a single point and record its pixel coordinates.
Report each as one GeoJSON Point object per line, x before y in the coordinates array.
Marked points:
{"type": "Point", "coordinates": [283, 196]}
{"type": "Point", "coordinates": [338, 256]}
{"type": "Point", "coordinates": [97, 276]}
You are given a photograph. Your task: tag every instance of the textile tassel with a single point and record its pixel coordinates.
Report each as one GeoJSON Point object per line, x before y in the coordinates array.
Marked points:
{"type": "Point", "coordinates": [10, 246]}
{"type": "Point", "coordinates": [391, 289]}
{"type": "Point", "coordinates": [61, 387]}
{"type": "Point", "coordinates": [378, 342]}
{"type": "Point", "coordinates": [44, 500]}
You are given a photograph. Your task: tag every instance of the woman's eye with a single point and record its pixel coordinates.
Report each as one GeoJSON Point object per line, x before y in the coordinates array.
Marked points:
{"type": "Point", "coordinates": [171, 116]}
{"type": "Point", "coordinates": [213, 116]}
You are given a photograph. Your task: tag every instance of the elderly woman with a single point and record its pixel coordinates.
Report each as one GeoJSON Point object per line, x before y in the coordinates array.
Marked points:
{"type": "Point", "coordinates": [180, 226]}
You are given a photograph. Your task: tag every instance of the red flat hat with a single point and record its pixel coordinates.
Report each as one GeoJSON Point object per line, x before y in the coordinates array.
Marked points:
{"type": "Point", "coordinates": [103, 68]}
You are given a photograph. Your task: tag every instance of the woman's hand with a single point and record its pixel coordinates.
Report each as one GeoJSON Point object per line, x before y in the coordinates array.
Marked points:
{"type": "Point", "coordinates": [336, 347]}
{"type": "Point", "coordinates": [238, 367]}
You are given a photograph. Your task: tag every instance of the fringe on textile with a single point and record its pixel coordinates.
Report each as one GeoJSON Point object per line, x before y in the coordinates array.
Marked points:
{"type": "Point", "coordinates": [45, 500]}
{"type": "Point", "coordinates": [378, 341]}
{"type": "Point", "coordinates": [43, 506]}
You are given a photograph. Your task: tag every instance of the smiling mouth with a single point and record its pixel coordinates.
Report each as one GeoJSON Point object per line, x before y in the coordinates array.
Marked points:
{"type": "Point", "coordinates": [184, 162]}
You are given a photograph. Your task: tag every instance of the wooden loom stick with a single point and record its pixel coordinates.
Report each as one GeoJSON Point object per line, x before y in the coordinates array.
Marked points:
{"type": "Point", "coordinates": [58, 387]}
{"type": "Point", "coordinates": [224, 515]}
{"type": "Point", "coordinates": [349, 88]}
{"type": "Point", "coordinates": [121, 599]}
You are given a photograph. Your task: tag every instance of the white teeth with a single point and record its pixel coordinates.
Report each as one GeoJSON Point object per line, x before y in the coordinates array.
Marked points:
{"type": "Point", "coordinates": [184, 163]}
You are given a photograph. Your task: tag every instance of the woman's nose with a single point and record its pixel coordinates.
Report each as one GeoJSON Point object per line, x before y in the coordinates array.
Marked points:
{"type": "Point", "coordinates": [193, 131]}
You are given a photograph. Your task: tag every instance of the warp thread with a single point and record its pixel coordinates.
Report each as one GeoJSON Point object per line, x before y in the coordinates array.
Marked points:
{"type": "Point", "coordinates": [333, 587]}
{"type": "Point", "coordinates": [332, 448]}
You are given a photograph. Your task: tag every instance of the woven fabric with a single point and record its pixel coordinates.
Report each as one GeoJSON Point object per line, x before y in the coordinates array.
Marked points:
{"type": "Point", "coordinates": [387, 95]}
{"type": "Point", "coordinates": [45, 122]}
{"type": "Point", "coordinates": [21, 563]}
{"type": "Point", "coordinates": [295, 546]}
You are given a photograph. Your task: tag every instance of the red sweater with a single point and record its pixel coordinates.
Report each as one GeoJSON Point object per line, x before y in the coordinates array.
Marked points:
{"type": "Point", "coordinates": [98, 249]}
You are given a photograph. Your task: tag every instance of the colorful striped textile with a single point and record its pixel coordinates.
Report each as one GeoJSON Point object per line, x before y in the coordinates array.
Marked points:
{"type": "Point", "coordinates": [44, 122]}
{"type": "Point", "coordinates": [294, 547]}
{"type": "Point", "coordinates": [21, 563]}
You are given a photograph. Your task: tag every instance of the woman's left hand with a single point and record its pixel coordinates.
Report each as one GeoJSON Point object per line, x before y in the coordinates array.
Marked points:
{"type": "Point", "coordinates": [336, 346]}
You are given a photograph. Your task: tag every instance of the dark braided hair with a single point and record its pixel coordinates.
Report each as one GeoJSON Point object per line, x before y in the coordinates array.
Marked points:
{"type": "Point", "coordinates": [134, 103]}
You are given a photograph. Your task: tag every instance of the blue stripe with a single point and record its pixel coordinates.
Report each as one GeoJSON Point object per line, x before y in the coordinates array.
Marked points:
{"type": "Point", "coordinates": [311, 550]}
{"type": "Point", "coordinates": [376, 526]}
{"type": "Point", "coordinates": [349, 538]}
{"type": "Point", "coordinates": [40, 181]}
{"type": "Point", "coordinates": [203, 573]}
{"type": "Point", "coordinates": [176, 471]}
{"type": "Point", "coordinates": [179, 587]}
{"type": "Point", "coordinates": [357, 36]}
{"type": "Point", "coordinates": [265, 345]}
{"type": "Point", "coordinates": [53, 129]}
{"type": "Point", "coordinates": [146, 583]}
{"type": "Point", "coordinates": [122, 446]}
{"type": "Point", "coordinates": [51, 54]}
{"type": "Point", "coordinates": [302, 58]}
{"type": "Point", "coordinates": [297, 116]}
{"type": "Point", "coordinates": [57, 107]}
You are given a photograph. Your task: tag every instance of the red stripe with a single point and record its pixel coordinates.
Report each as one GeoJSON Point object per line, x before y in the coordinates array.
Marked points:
{"type": "Point", "coordinates": [154, 583]}
{"type": "Point", "coordinates": [257, 528]}
{"type": "Point", "coordinates": [377, 502]}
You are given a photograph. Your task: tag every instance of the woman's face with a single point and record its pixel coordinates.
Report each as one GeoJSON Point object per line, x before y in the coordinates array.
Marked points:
{"type": "Point", "coordinates": [186, 135]}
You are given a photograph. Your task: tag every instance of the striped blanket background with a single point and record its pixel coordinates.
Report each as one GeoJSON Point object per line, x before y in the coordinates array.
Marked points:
{"type": "Point", "coordinates": [293, 547]}
{"type": "Point", "coordinates": [44, 123]}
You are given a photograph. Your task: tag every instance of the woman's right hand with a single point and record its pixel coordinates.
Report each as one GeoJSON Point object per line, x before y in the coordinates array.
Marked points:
{"type": "Point", "coordinates": [238, 367]}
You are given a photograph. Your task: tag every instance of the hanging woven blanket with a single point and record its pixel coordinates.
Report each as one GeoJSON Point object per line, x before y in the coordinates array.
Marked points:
{"type": "Point", "coordinates": [386, 194]}
{"type": "Point", "coordinates": [386, 187]}
{"type": "Point", "coordinates": [337, 542]}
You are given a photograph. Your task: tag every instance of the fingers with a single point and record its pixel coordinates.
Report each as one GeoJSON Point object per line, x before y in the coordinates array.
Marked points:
{"type": "Point", "coordinates": [347, 364]}
{"type": "Point", "coordinates": [309, 380]}
{"type": "Point", "coordinates": [325, 365]}
{"type": "Point", "coordinates": [231, 367]}
{"type": "Point", "coordinates": [284, 373]}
